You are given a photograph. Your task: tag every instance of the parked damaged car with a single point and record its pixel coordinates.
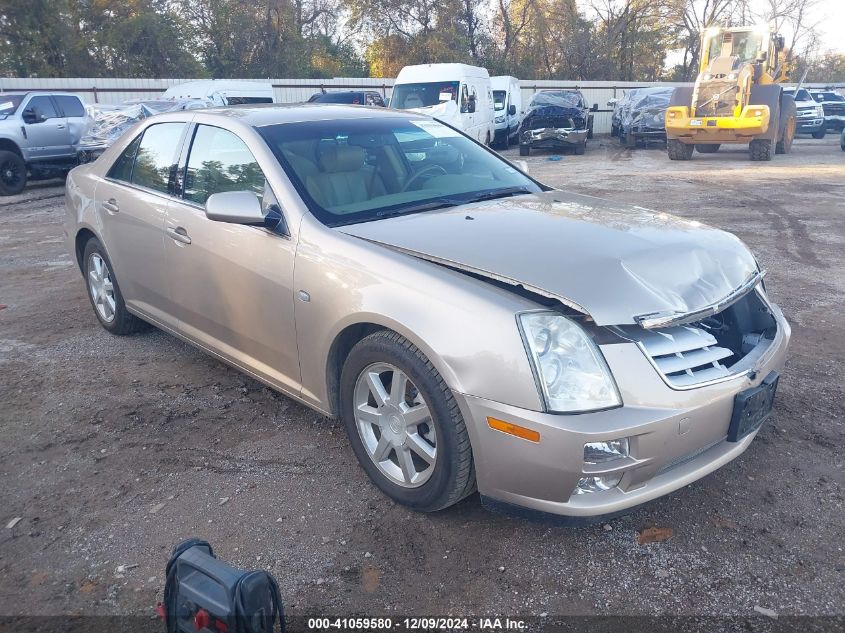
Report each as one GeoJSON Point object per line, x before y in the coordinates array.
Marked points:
{"type": "Point", "coordinates": [644, 117]}
{"type": "Point", "coordinates": [556, 119]}
{"type": "Point", "coordinates": [470, 326]}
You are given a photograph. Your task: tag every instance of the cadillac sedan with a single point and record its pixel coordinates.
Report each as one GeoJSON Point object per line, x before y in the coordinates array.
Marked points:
{"type": "Point", "coordinates": [471, 327]}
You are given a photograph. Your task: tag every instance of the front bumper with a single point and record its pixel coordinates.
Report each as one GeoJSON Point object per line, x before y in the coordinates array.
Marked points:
{"type": "Point", "coordinates": [553, 137]}
{"type": "Point", "coordinates": [808, 125]}
{"type": "Point", "coordinates": [834, 121]}
{"type": "Point", "coordinates": [675, 438]}
{"type": "Point", "coordinates": [752, 121]}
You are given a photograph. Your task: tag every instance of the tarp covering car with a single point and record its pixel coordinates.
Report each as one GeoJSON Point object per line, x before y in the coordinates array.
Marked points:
{"type": "Point", "coordinates": [647, 108]}
{"type": "Point", "coordinates": [108, 122]}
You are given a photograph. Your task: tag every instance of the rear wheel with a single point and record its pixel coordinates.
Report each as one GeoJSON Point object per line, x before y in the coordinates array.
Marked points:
{"type": "Point", "coordinates": [12, 173]}
{"type": "Point", "coordinates": [524, 150]}
{"type": "Point", "coordinates": [707, 149]}
{"type": "Point", "coordinates": [784, 145]}
{"type": "Point", "coordinates": [104, 293]}
{"type": "Point", "coordinates": [678, 150]}
{"type": "Point", "coordinates": [760, 149]}
{"type": "Point", "coordinates": [404, 424]}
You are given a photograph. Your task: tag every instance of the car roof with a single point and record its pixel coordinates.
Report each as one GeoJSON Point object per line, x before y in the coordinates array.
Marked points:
{"type": "Point", "coordinates": [23, 93]}
{"type": "Point", "coordinates": [259, 115]}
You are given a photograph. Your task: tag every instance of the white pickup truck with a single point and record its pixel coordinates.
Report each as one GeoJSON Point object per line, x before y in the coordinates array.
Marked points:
{"type": "Point", "coordinates": [39, 132]}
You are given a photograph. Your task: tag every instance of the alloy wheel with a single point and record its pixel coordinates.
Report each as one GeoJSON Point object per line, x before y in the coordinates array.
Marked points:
{"type": "Point", "coordinates": [395, 425]}
{"type": "Point", "coordinates": [10, 173]}
{"type": "Point", "coordinates": [101, 287]}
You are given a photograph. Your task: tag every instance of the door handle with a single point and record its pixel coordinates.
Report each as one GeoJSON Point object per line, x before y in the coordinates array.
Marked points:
{"type": "Point", "coordinates": [179, 234]}
{"type": "Point", "coordinates": [111, 206]}
{"type": "Point", "coordinates": [60, 126]}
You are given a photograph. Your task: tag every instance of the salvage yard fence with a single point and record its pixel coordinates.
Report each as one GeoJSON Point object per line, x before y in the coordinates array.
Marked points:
{"type": "Point", "coordinates": [117, 90]}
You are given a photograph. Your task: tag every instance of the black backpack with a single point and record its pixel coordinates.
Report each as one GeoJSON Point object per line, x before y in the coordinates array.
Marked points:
{"type": "Point", "coordinates": [204, 594]}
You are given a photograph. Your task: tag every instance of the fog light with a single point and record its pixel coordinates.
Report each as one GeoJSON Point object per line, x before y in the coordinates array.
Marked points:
{"type": "Point", "coordinates": [597, 484]}
{"type": "Point", "coordinates": [601, 452]}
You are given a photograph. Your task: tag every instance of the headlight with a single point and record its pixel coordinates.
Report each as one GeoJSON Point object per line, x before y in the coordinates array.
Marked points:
{"type": "Point", "coordinates": [500, 118]}
{"type": "Point", "coordinates": [819, 111]}
{"type": "Point", "coordinates": [572, 372]}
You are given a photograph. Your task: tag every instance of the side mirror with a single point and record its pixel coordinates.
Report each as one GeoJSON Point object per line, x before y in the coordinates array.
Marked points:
{"type": "Point", "coordinates": [511, 110]}
{"type": "Point", "coordinates": [471, 105]}
{"type": "Point", "coordinates": [243, 207]}
{"type": "Point", "coordinates": [595, 108]}
{"type": "Point", "coordinates": [762, 56]}
{"type": "Point", "coordinates": [29, 116]}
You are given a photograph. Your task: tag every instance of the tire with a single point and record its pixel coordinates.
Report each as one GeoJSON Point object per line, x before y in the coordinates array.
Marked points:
{"type": "Point", "coordinates": [630, 140]}
{"type": "Point", "coordinates": [581, 149]}
{"type": "Point", "coordinates": [524, 150]}
{"type": "Point", "coordinates": [112, 315]}
{"type": "Point", "coordinates": [708, 149]}
{"type": "Point", "coordinates": [507, 143]}
{"type": "Point", "coordinates": [819, 134]}
{"type": "Point", "coordinates": [590, 130]}
{"type": "Point", "coordinates": [451, 476]}
{"type": "Point", "coordinates": [12, 173]}
{"type": "Point", "coordinates": [784, 145]}
{"type": "Point", "coordinates": [487, 140]}
{"type": "Point", "coordinates": [760, 149]}
{"type": "Point", "coordinates": [678, 150]}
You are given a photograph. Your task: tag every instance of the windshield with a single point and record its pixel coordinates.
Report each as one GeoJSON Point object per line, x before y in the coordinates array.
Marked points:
{"type": "Point", "coordinates": [408, 96]}
{"type": "Point", "coordinates": [338, 97]}
{"type": "Point", "coordinates": [828, 96]}
{"type": "Point", "coordinates": [357, 170]}
{"type": "Point", "coordinates": [9, 104]}
{"type": "Point", "coordinates": [801, 95]}
{"type": "Point", "coordinates": [499, 99]}
{"type": "Point", "coordinates": [746, 45]}
{"type": "Point", "coordinates": [561, 98]}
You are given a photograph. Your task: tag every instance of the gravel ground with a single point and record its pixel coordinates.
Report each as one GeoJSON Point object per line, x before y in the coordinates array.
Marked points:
{"type": "Point", "coordinates": [114, 449]}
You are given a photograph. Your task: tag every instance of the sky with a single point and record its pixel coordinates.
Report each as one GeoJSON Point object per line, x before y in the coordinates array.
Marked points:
{"type": "Point", "coordinates": [831, 14]}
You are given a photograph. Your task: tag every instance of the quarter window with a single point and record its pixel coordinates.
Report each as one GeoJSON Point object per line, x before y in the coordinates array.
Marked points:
{"type": "Point", "coordinates": [43, 108]}
{"type": "Point", "coordinates": [156, 158]}
{"type": "Point", "coordinates": [220, 161]}
{"type": "Point", "coordinates": [122, 167]}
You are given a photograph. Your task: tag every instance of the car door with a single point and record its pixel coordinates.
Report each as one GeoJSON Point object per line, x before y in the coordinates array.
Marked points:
{"type": "Point", "coordinates": [70, 107]}
{"type": "Point", "coordinates": [232, 284]}
{"type": "Point", "coordinates": [132, 204]}
{"type": "Point", "coordinates": [45, 128]}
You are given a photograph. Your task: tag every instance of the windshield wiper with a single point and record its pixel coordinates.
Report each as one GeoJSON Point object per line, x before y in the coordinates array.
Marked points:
{"type": "Point", "coordinates": [498, 193]}
{"type": "Point", "coordinates": [431, 205]}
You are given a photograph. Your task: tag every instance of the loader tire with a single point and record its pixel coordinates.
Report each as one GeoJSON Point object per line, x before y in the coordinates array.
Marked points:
{"type": "Point", "coordinates": [760, 149]}
{"type": "Point", "coordinates": [784, 145]}
{"type": "Point", "coordinates": [678, 150]}
{"type": "Point", "coordinates": [708, 149]}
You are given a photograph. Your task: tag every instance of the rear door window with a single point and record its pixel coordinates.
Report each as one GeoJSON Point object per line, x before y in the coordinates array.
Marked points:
{"type": "Point", "coordinates": [155, 162]}
{"type": "Point", "coordinates": [70, 106]}
{"type": "Point", "coordinates": [220, 161]}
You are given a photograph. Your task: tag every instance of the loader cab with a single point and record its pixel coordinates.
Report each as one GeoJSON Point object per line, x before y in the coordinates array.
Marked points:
{"type": "Point", "coordinates": [729, 49]}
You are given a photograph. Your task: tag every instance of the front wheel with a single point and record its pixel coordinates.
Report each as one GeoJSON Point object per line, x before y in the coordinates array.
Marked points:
{"type": "Point", "coordinates": [678, 150]}
{"type": "Point", "coordinates": [581, 149]}
{"type": "Point", "coordinates": [819, 134]}
{"type": "Point", "coordinates": [12, 173]}
{"type": "Point", "coordinates": [404, 424]}
{"type": "Point", "coordinates": [524, 150]}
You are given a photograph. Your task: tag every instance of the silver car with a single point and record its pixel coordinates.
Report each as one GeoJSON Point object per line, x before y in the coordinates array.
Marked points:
{"type": "Point", "coordinates": [471, 327]}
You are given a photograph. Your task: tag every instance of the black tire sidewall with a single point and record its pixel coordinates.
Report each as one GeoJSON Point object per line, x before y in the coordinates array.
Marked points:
{"type": "Point", "coordinates": [375, 349]}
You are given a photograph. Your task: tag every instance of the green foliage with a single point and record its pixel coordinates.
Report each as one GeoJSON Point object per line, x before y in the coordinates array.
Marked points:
{"type": "Point", "coordinates": [628, 40]}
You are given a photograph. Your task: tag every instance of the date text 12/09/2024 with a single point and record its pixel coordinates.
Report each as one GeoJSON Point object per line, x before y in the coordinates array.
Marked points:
{"type": "Point", "coordinates": [418, 623]}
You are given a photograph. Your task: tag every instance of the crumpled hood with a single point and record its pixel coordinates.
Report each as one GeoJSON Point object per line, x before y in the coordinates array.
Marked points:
{"type": "Point", "coordinates": [613, 262]}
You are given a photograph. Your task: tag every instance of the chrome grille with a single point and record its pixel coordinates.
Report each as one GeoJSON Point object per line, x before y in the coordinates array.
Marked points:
{"type": "Point", "coordinates": [685, 355]}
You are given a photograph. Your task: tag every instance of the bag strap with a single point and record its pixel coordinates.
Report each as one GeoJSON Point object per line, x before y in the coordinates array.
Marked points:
{"type": "Point", "coordinates": [275, 596]}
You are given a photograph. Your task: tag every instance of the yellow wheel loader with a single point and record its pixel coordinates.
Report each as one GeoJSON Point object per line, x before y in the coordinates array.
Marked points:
{"type": "Point", "coordinates": [736, 98]}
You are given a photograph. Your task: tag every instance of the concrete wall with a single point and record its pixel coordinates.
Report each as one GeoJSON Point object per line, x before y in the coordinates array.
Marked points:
{"type": "Point", "coordinates": [116, 90]}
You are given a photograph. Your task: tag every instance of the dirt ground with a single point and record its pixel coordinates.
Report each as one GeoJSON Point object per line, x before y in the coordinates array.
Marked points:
{"type": "Point", "coordinates": [114, 449]}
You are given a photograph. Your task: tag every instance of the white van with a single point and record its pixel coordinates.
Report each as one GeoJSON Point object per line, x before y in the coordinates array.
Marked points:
{"type": "Point", "coordinates": [507, 108]}
{"type": "Point", "coordinates": [456, 94]}
{"type": "Point", "coordinates": [222, 91]}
